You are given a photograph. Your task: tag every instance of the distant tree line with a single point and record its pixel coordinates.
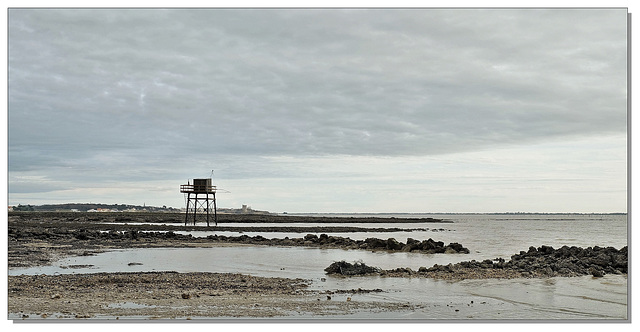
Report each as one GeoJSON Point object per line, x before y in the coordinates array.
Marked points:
{"type": "Point", "coordinates": [84, 207]}
{"type": "Point", "coordinates": [21, 207]}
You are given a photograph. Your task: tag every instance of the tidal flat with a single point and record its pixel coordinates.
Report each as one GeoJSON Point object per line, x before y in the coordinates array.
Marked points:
{"type": "Point", "coordinates": [96, 270]}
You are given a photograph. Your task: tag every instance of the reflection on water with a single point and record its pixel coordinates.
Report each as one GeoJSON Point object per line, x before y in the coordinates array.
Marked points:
{"type": "Point", "coordinates": [293, 262]}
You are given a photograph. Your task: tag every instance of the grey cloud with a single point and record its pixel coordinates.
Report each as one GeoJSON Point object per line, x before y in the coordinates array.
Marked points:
{"type": "Point", "coordinates": [34, 187]}
{"type": "Point", "coordinates": [309, 82]}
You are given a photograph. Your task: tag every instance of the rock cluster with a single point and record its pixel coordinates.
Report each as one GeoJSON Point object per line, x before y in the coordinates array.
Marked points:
{"type": "Point", "coordinates": [57, 238]}
{"type": "Point", "coordinates": [348, 269]}
{"type": "Point", "coordinates": [71, 240]}
{"type": "Point", "coordinates": [565, 261]}
{"type": "Point", "coordinates": [544, 261]}
{"type": "Point", "coordinates": [135, 237]}
{"type": "Point", "coordinates": [325, 241]}
{"type": "Point", "coordinates": [569, 261]}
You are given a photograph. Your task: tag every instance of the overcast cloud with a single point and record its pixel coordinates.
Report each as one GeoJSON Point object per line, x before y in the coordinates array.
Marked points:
{"type": "Point", "coordinates": [322, 109]}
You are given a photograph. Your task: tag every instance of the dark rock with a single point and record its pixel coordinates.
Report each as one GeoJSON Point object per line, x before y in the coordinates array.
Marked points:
{"type": "Point", "coordinates": [242, 238]}
{"type": "Point", "coordinates": [428, 245]}
{"type": "Point", "coordinates": [259, 238]}
{"type": "Point", "coordinates": [458, 248]}
{"type": "Point", "coordinates": [546, 261]}
{"type": "Point", "coordinates": [373, 243]}
{"type": "Point", "coordinates": [411, 242]}
{"type": "Point", "coordinates": [310, 237]}
{"type": "Point", "coordinates": [393, 244]}
{"type": "Point", "coordinates": [596, 273]}
{"type": "Point", "coordinates": [601, 259]}
{"type": "Point", "coordinates": [487, 263]}
{"type": "Point", "coordinates": [546, 250]}
{"type": "Point", "coordinates": [324, 238]}
{"type": "Point", "coordinates": [344, 268]}
{"type": "Point", "coordinates": [80, 235]}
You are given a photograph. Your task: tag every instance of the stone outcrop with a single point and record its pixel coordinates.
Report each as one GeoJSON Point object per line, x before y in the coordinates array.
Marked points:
{"type": "Point", "coordinates": [325, 241]}
{"type": "Point", "coordinates": [348, 269]}
{"type": "Point", "coordinates": [544, 261]}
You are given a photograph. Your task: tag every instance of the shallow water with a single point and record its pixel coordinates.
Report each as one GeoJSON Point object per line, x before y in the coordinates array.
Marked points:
{"type": "Point", "coordinates": [487, 236]}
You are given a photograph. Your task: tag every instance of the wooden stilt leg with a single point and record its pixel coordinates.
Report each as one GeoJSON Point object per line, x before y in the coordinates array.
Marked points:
{"type": "Point", "coordinates": [186, 216]}
{"type": "Point", "coordinates": [215, 209]}
{"type": "Point", "coordinates": [207, 209]}
{"type": "Point", "coordinates": [195, 211]}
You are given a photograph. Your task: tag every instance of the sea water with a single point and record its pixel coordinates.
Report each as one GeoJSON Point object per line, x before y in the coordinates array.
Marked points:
{"type": "Point", "coordinates": [486, 236]}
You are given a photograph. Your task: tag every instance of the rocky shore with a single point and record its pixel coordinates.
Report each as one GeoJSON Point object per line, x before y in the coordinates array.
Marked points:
{"type": "Point", "coordinates": [40, 238]}
{"type": "Point", "coordinates": [542, 262]}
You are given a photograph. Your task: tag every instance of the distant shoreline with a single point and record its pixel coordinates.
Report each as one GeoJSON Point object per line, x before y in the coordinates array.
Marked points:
{"type": "Point", "coordinates": [179, 217]}
{"type": "Point", "coordinates": [85, 207]}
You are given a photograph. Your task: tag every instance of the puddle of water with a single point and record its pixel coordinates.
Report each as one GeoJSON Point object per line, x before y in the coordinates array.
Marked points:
{"type": "Point", "coordinates": [291, 262]}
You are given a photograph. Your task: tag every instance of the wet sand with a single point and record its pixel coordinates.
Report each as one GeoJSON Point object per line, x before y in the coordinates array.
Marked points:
{"type": "Point", "coordinates": [171, 295]}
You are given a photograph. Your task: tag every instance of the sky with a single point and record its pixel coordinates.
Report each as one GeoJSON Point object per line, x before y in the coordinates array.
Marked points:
{"type": "Point", "coordinates": [321, 110]}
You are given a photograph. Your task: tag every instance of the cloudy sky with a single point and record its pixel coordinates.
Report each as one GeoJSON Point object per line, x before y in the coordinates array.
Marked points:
{"type": "Point", "coordinates": [321, 110]}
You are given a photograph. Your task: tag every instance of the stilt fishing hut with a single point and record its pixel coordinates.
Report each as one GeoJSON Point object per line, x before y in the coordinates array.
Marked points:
{"type": "Point", "coordinates": [200, 195]}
